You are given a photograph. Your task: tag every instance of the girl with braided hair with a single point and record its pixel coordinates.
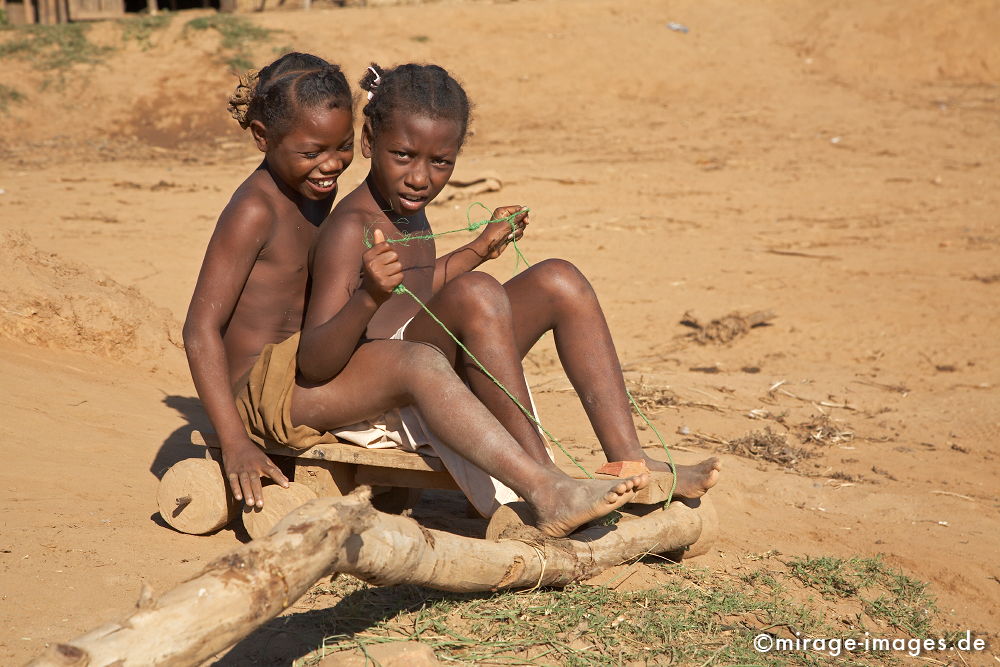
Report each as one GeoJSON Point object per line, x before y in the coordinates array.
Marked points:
{"type": "Point", "coordinates": [415, 124]}
{"type": "Point", "coordinates": [242, 328]}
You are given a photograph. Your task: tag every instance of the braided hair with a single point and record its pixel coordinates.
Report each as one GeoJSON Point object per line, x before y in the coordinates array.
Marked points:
{"type": "Point", "coordinates": [417, 89]}
{"type": "Point", "coordinates": [295, 81]}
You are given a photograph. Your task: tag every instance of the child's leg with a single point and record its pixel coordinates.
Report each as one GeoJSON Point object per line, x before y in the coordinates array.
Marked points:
{"type": "Point", "coordinates": [476, 309]}
{"type": "Point", "coordinates": [554, 296]}
{"type": "Point", "coordinates": [386, 374]}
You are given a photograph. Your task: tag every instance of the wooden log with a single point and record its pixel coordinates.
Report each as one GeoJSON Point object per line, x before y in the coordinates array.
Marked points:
{"type": "Point", "coordinates": [193, 497]}
{"type": "Point", "coordinates": [233, 595]}
{"type": "Point", "coordinates": [705, 508]}
{"type": "Point", "coordinates": [513, 522]}
{"type": "Point", "coordinates": [278, 502]}
{"type": "Point", "coordinates": [343, 452]}
{"type": "Point", "coordinates": [254, 582]}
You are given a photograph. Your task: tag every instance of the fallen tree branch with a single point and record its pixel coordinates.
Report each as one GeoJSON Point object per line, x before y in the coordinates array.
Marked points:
{"type": "Point", "coordinates": [253, 583]}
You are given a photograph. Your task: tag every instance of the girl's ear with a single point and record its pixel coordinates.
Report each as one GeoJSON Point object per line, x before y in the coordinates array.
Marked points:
{"type": "Point", "coordinates": [259, 133]}
{"type": "Point", "coordinates": [367, 140]}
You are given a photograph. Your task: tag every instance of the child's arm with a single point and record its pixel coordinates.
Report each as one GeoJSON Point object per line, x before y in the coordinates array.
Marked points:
{"type": "Point", "coordinates": [488, 245]}
{"type": "Point", "coordinates": [238, 238]}
{"type": "Point", "coordinates": [338, 312]}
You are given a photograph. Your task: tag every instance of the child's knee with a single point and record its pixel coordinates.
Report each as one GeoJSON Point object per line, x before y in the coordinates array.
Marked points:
{"type": "Point", "coordinates": [563, 280]}
{"type": "Point", "coordinates": [423, 359]}
{"type": "Point", "coordinates": [426, 365]}
{"type": "Point", "coordinates": [479, 296]}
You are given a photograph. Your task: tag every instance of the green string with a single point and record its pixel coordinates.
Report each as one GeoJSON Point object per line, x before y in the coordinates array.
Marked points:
{"type": "Point", "coordinates": [670, 458]}
{"type": "Point", "coordinates": [471, 227]}
{"type": "Point", "coordinates": [407, 237]}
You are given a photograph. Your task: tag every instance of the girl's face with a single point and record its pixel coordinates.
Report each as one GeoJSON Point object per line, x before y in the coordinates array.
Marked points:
{"type": "Point", "coordinates": [311, 156]}
{"type": "Point", "coordinates": [412, 159]}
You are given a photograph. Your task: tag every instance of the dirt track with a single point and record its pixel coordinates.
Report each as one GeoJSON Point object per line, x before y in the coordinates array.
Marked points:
{"type": "Point", "coordinates": [836, 166]}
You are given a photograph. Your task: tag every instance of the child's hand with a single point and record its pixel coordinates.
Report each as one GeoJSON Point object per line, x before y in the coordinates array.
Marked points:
{"type": "Point", "coordinates": [495, 237]}
{"type": "Point", "coordinates": [383, 271]}
{"type": "Point", "coordinates": [245, 464]}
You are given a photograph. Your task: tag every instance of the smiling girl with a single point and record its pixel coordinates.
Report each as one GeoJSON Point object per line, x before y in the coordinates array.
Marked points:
{"type": "Point", "coordinates": [251, 291]}
{"type": "Point", "coordinates": [415, 124]}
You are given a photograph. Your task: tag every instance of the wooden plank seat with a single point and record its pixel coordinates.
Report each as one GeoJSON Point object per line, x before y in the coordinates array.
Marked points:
{"type": "Point", "coordinates": [343, 452]}
{"type": "Point", "coordinates": [335, 469]}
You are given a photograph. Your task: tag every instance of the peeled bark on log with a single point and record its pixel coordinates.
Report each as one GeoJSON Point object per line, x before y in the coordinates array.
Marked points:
{"type": "Point", "coordinates": [255, 582]}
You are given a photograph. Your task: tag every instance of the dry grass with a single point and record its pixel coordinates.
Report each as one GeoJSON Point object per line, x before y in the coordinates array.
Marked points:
{"type": "Point", "coordinates": [767, 445]}
{"type": "Point", "coordinates": [651, 398]}
{"type": "Point", "coordinates": [822, 430]}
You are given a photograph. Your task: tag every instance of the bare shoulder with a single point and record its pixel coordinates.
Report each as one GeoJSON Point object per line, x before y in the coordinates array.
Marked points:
{"type": "Point", "coordinates": [349, 217]}
{"type": "Point", "coordinates": [251, 212]}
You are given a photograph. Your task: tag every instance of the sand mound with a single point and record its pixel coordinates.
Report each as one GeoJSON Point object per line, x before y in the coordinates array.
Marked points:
{"type": "Point", "coordinates": [50, 302]}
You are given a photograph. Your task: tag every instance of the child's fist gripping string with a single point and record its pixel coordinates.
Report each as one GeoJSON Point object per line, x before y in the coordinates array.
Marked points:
{"type": "Point", "coordinates": [383, 271]}
{"type": "Point", "coordinates": [495, 237]}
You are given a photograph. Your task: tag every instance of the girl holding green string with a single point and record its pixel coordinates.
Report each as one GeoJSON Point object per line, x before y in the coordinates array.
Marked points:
{"type": "Point", "coordinates": [415, 124]}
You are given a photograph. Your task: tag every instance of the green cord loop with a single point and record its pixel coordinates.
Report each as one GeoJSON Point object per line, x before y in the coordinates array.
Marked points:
{"type": "Point", "coordinates": [407, 237]}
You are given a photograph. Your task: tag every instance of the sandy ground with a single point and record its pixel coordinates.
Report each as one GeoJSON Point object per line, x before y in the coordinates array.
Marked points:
{"type": "Point", "coordinates": [832, 162]}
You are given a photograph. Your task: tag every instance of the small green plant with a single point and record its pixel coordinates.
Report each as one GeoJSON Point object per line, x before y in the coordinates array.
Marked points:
{"type": "Point", "coordinates": [884, 593]}
{"type": "Point", "coordinates": [237, 33]}
{"type": "Point", "coordinates": [8, 96]}
{"type": "Point", "coordinates": [830, 576]}
{"type": "Point", "coordinates": [140, 29]}
{"type": "Point", "coordinates": [52, 47]}
{"type": "Point", "coordinates": [4, 21]}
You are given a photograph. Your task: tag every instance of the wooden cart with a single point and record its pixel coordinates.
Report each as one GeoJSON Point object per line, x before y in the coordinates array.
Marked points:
{"type": "Point", "coordinates": [194, 498]}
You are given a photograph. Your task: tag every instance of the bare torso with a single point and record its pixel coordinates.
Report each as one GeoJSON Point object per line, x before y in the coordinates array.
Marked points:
{"type": "Point", "coordinates": [273, 300]}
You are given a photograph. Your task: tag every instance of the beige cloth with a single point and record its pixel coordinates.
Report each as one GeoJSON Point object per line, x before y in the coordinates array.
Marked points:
{"type": "Point", "coordinates": [265, 401]}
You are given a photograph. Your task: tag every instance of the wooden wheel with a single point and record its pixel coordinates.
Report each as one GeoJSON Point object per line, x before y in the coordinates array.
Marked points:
{"type": "Point", "coordinates": [277, 503]}
{"type": "Point", "coordinates": [193, 497]}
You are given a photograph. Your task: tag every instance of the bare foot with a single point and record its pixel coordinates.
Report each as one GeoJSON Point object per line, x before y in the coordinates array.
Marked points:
{"type": "Point", "coordinates": [692, 481]}
{"type": "Point", "coordinates": [569, 503]}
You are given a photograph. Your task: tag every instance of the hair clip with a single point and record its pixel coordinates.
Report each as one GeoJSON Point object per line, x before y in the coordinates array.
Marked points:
{"type": "Point", "coordinates": [378, 79]}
